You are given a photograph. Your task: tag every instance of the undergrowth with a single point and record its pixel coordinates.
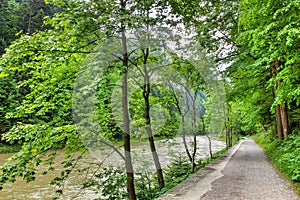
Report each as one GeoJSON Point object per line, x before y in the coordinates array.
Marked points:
{"type": "Point", "coordinates": [145, 182]}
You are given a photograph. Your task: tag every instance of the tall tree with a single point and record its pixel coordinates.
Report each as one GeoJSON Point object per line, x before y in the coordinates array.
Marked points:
{"type": "Point", "coordinates": [269, 38]}
{"type": "Point", "coordinates": [51, 59]}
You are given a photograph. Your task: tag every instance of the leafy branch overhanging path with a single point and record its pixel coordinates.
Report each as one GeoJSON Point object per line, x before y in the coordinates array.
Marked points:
{"type": "Point", "coordinates": [243, 173]}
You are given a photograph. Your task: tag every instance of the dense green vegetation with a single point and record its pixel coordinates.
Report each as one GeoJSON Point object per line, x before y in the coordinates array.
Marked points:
{"type": "Point", "coordinates": [77, 75]}
{"type": "Point", "coordinates": [21, 17]}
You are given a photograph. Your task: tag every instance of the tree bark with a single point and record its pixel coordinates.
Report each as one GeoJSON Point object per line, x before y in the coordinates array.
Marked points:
{"type": "Point", "coordinates": [227, 136]}
{"type": "Point", "coordinates": [184, 138]}
{"type": "Point", "coordinates": [229, 127]}
{"type": "Point", "coordinates": [183, 124]}
{"type": "Point", "coordinates": [29, 23]}
{"type": "Point", "coordinates": [146, 95]}
{"type": "Point", "coordinates": [126, 124]}
{"type": "Point", "coordinates": [284, 120]}
{"type": "Point", "coordinates": [209, 139]}
{"type": "Point", "coordinates": [279, 122]}
{"type": "Point", "coordinates": [194, 131]}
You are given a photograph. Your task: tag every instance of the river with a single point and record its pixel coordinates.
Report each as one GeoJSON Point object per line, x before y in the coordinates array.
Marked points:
{"type": "Point", "coordinates": [142, 160]}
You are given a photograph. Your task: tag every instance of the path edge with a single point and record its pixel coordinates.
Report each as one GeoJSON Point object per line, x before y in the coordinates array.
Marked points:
{"type": "Point", "coordinates": [189, 184]}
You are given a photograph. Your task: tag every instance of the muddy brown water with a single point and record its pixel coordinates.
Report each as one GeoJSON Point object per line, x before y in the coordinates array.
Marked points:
{"type": "Point", "coordinates": [142, 161]}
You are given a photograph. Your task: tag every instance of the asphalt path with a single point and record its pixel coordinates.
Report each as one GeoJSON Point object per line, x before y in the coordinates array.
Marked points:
{"type": "Point", "coordinates": [244, 172]}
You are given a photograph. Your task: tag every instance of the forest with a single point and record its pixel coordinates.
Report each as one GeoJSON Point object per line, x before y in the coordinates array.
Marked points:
{"type": "Point", "coordinates": [79, 76]}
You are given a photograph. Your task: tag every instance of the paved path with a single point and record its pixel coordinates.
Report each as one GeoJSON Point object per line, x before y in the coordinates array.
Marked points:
{"type": "Point", "coordinates": [243, 173]}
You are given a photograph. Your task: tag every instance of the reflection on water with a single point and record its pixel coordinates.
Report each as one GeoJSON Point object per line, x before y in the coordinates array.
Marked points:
{"type": "Point", "coordinates": [142, 160]}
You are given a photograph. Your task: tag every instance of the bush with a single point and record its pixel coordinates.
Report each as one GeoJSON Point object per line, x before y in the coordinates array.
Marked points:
{"type": "Point", "coordinates": [289, 156]}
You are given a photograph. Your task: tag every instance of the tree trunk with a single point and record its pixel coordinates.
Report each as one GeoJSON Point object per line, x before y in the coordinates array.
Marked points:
{"type": "Point", "coordinates": [284, 120]}
{"type": "Point", "coordinates": [190, 156]}
{"type": "Point", "coordinates": [279, 122]}
{"type": "Point", "coordinates": [237, 136]}
{"type": "Point", "coordinates": [230, 134]}
{"type": "Point", "coordinates": [229, 128]}
{"type": "Point", "coordinates": [194, 132]}
{"type": "Point", "coordinates": [146, 94]}
{"type": "Point", "coordinates": [184, 139]}
{"type": "Point", "coordinates": [283, 128]}
{"type": "Point", "coordinates": [209, 139]}
{"type": "Point", "coordinates": [29, 23]}
{"type": "Point", "coordinates": [227, 135]}
{"type": "Point", "coordinates": [126, 124]}
{"type": "Point", "coordinates": [183, 125]}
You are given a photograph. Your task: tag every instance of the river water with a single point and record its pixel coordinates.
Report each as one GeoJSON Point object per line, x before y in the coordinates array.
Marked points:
{"type": "Point", "coordinates": [142, 161]}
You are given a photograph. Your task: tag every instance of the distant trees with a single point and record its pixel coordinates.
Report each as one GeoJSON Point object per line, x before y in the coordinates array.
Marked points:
{"type": "Point", "coordinates": [259, 41]}
{"type": "Point", "coordinates": [24, 16]}
{"type": "Point", "coordinates": [8, 25]}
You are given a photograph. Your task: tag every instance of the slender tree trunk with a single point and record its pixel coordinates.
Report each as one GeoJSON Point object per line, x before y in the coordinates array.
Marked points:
{"type": "Point", "coordinates": [279, 122]}
{"type": "Point", "coordinates": [183, 125]}
{"type": "Point", "coordinates": [229, 131]}
{"type": "Point", "coordinates": [226, 128]}
{"type": "Point", "coordinates": [146, 94]}
{"type": "Point", "coordinates": [284, 120]}
{"type": "Point", "coordinates": [190, 156]}
{"type": "Point", "coordinates": [29, 23]}
{"type": "Point", "coordinates": [194, 133]}
{"type": "Point", "coordinates": [227, 135]}
{"type": "Point", "coordinates": [126, 124]}
{"type": "Point", "coordinates": [209, 145]}
{"type": "Point", "coordinates": [209, 139]}
{"type": "Point", "coordinates": [184, 138]}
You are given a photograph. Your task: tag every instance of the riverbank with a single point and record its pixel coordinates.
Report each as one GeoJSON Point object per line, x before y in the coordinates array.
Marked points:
{"type": "Point", "coordinates": [142, 163]}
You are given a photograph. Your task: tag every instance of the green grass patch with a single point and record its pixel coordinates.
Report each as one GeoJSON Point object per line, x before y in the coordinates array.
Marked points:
{"type": "Point", "coordinates": [285, 155]}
